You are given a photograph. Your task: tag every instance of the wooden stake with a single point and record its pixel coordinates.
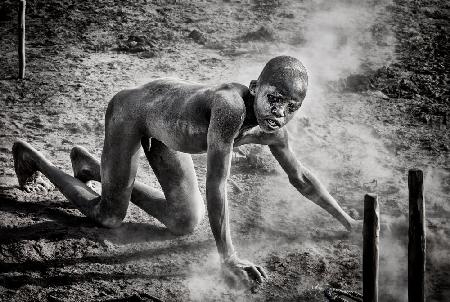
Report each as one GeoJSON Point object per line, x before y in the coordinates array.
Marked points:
{"type": "Point", "coordinates": [21, 38]}
{"type": "Point", "coordinates": [417, 237]}
{"type": "Point", "coordinates": [371, 232]}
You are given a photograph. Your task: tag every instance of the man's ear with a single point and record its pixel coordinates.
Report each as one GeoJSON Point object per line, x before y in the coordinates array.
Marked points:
{"type": "Point", "coordinates": [252, 87]}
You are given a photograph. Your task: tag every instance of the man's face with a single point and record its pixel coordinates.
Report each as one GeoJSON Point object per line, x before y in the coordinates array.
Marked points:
{"type": "Point", "coordinates": [275, 106]}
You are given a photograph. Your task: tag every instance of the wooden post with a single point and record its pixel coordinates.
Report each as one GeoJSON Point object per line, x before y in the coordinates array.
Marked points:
{"type": "Point", "coordinates": [371, 232]}
{"type": "Point", "coordinates": [21, 38]}
{"type": "Point", "coordinates": [417, 239]}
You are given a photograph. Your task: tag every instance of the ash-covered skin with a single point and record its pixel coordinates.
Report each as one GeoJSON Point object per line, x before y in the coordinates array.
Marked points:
{"type": "Point", "coordinates": [171, 118]}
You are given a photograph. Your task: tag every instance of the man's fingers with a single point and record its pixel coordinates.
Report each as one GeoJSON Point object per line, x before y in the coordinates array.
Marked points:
{"type": "Point", "coordinates": [236, 277]}
{"type": "Point", "coordinates": [45, 184]}
{"type": "Point", "coordinates": [251, 270]}
{"type": "Point", "coordinates": [244, 277]}
{"type": "Point", "coordinates": [230, 278]}
{"type": "Point", "coordinates": [261, 270]}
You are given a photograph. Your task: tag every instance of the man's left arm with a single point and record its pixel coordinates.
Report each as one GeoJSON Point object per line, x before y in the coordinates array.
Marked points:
{"type": "Point", "coordinates": [307, 184]}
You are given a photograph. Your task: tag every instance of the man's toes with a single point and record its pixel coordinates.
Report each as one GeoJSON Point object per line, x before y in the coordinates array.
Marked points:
{"type": "Point", "coordinates": [90, 184]}
{"type": "Point", "coordinates": [42, 189]}
{"type": "Point", "coordinates": [30, 188]}
{"type": "Point", "coordinates": [38, 186]}
{"type": "Point", "coordinates": [48, 186]}
{"type": "Point", "coordinates": [44, 184]}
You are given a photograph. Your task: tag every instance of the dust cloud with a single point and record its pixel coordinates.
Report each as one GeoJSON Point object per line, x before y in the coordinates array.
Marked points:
{"type": "Point", "coordinates": [206, 283]}
{"type": "Point", "coordinates": [339, 145]}
{"type": "Point", "coordinates": [330, 134]}
{"type": "Point", "coordinates": [338, 41]}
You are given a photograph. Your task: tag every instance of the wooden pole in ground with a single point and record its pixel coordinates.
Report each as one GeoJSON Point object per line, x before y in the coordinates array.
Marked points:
{"type": "Point", "coordinates": [21, 36]}
{"type": "Point", "coordinates": [371, 232]}
{"type": "Point", "coordinates": [417, 239]}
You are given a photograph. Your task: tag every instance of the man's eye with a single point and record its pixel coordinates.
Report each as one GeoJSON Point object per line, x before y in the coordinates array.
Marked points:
{"type": "Point", "coordinates": [272, 98]}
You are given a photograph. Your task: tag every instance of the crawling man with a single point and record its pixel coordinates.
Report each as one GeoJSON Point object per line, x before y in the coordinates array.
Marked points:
{"type": "Point", "coordinates": [171, 119]}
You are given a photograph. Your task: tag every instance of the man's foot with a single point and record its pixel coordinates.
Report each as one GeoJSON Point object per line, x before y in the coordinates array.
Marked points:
{"type": "Point", "coordinates": [30, 179]}
{"type": "Point", "coordinates": [85, 166]}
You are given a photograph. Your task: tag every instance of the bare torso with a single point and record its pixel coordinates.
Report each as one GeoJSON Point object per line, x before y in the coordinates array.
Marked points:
{"type": "Point", "coordinates": [178, 113]}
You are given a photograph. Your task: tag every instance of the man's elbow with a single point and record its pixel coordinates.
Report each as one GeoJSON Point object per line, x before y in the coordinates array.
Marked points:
{"type": "Point", "coordinates": [297, 180]}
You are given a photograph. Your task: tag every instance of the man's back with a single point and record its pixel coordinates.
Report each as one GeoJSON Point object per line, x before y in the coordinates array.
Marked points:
{"type": "Point", "coordinates": [177, 112]}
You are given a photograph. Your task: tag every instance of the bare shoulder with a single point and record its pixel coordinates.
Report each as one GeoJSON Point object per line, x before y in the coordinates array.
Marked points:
{"type": "Point", "coordinates": [227, 109]}
{"type": "Point", "coordinates": [228, 97]}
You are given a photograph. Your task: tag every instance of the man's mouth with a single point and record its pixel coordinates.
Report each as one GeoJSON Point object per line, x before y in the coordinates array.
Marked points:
{"type": "Point", "coordinates": [273, 124]}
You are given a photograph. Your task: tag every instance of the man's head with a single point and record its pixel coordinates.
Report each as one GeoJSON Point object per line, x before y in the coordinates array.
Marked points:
{"type": "Point", "coordinates": [279, 92]}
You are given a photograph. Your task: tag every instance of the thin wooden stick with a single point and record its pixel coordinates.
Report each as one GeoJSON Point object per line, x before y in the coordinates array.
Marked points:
{"type": "Point", "coordinates": [21, 38]}
{"type": "Point", "coordinates": [371, 232]}
{"type": "Point", "coordinates": [417, 237]}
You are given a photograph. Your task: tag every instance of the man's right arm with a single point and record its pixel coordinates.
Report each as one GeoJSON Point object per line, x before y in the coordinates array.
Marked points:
{"type": "Point", "coordinates": [223, 128]}
{"type": "Point", "coordinates": [217, 204]}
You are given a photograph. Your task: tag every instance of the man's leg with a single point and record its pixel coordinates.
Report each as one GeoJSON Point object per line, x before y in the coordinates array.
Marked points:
{"type": "Point", "coordinates": [86, 167]}
{"type": "Point", "coordinates": [181, 206]}
{"type": "Point", "coordinates": [119, 164]}
{"type": "Point", "coordinates": [28, 161]}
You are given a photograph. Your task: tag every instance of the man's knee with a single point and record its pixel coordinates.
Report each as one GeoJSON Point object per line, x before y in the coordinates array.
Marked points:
{"type": "Point", "coordinates": [186, 220]}
{"type": "Point", "coordinates": [74, 153]}
{"type": "Point", "coordinates": [109, 217]}
{"type": "Point", "coordinates": [183, 226]}
{"type": "Point", "coordinates": [110, 222]}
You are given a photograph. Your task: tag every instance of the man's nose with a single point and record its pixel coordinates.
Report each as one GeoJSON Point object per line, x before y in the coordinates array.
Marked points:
{"type": "Point", "coordinates": [278, 111]}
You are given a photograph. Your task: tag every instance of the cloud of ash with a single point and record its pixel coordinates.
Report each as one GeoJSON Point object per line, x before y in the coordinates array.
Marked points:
{"type": "Point", "coordinates": [340, 147]}
{"type": "Point", "coordinates": [336, 144]}
{"type": "Point", "coordinates": [338, 40]}
{"type": "Point", "coordinates": [206, 282]}
{"type": "Point", "coordinates": [393, 263]}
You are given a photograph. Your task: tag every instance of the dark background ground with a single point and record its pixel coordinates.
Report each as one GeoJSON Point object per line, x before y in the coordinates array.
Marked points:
{"type": "Point", "coordinates": [386, 114]}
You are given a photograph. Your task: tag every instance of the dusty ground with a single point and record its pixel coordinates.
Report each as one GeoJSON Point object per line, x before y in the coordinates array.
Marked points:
{"type": "Point", "coordinates": [359, 134]}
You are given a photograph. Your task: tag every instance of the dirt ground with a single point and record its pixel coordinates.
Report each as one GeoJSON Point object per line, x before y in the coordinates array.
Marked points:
{"type": "Point", "coordinates": [378, 105]}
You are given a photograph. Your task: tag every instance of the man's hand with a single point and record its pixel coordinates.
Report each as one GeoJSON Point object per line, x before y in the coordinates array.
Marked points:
{"type": "Point", "coordinates": [243, 270]}
{"type": "Point", "coordinates": [356, 226]}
